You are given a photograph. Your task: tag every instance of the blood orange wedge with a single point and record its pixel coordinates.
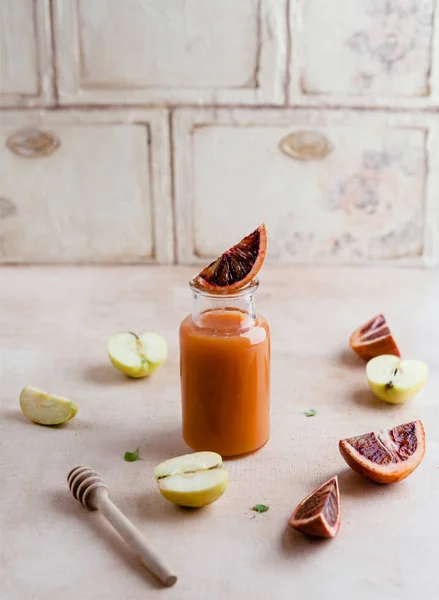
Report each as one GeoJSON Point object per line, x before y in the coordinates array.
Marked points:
{"type": "Point", "coordinates": [319, 513]}
{"type": "Point", "coordinates": [387, 456]}
{"type": "Point", "coordinates": [237, 266]}
{"type": "Point", "coordinates": [373, 339]}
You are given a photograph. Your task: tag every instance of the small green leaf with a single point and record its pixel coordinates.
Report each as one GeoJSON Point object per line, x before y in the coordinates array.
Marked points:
{"type": "Point", "coordinates": [260, 508]}
{"type": "Point", "coordinates": [132, 456]}
{"type": "Point", "coordinates": [310, 413]}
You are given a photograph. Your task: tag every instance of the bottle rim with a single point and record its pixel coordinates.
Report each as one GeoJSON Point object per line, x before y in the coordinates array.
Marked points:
{"type": "Point", "coordinates": [248, 289]}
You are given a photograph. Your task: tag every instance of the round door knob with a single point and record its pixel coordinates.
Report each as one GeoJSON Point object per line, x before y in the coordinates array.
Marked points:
{"type": "Point", "coordinates": [31, 142]}
{"type": "Point", "coordinates": [306, 145]}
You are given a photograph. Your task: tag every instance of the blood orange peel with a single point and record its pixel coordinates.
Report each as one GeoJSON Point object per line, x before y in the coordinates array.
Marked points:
{"type": "Point", "coordinates": [387, 456]}
{"type": "Point", "coordinates": [236, 267]}
{"type": "Point", "coordinates": [373, 339]}
{"type": "Point", "coordinates": [319, 513]}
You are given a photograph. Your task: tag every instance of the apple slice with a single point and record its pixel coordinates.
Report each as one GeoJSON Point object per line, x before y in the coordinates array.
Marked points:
{"type": "Point", "coordinates": [395, 380]}
{"type": "Point", "coordinates": [373, 339]}
{"type": "Point", "coordinates": [137, 356]}
{"type": "Point", "coordinates": [46, 409]}
{"type": "Point", "coordinates": [192, 479]}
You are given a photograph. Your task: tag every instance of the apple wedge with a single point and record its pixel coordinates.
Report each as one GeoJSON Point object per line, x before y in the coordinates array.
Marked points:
{"type": "Point", "coordinates": [395, 380]}
{"type": "Point", "coordinates": [46, 409]}
{"type": "Point", "coordinates": [192, 480]}
{"type": "Point", "coordinates": [137, 356]}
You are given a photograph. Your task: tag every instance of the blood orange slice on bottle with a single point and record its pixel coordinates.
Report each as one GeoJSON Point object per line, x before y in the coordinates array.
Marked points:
{"type": "Point", "coordinates": [319, 513]}
{"type": "Point", "coordinates": [373, 339]}
{"type": "Point", "coordinates": [237, 266]}
{"type": "Point", "coordinates": [387, 456]}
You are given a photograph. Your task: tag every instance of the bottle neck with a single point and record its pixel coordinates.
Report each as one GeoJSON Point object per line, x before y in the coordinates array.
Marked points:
{"type": "Point", "coordinates": [224, 312]}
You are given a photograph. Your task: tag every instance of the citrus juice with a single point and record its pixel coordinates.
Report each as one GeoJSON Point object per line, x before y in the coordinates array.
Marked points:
{"type": "Point", "coordinates": [225, 380]}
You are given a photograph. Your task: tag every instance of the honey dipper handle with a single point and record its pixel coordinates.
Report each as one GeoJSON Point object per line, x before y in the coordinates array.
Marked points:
{"type": "Point", "coordinates": [135, 540]}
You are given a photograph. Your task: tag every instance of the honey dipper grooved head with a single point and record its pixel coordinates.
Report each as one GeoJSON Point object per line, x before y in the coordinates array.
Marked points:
{"type": "Point", "coordinates": [83, 481]}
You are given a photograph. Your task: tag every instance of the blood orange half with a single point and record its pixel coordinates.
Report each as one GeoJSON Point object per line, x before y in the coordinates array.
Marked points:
{"type": "Point", "coordinates": [319, 513]}
{"type": "Point", "coordinates": [237, 266]}
{"type": "Point", "coordinates": [387, 456]}
{"type": "Point", "coordinates": [373, 339]}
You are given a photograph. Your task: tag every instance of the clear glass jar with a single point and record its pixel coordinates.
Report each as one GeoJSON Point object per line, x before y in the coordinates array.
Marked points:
{"type": "Point", "coordinates": [225, 373]}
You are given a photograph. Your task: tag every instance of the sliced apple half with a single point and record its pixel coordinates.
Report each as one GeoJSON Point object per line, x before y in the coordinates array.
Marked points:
{"type": "Point", "coordinates": [395, 380]}
{"type": "Point", "coordinates": [192, 479]}
{"type": "Point", "coordinates": [46, 409]}
{"type": "Point", "coordinates": [137, 356]}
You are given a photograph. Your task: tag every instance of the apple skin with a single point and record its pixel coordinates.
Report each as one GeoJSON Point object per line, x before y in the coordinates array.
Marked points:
{"type": "Point", "coordinates": [136, 373]}
{"type": "Point", "coordinates": [74, 408]}
{"type": "Point", "coordinates": [46, 409]}
{"type": "Point", "coordinates": [145, 363]}
{"type": "Point", "coordinates": [396, 393]}
{"type": "Point", "coordinates": [199, 498]}
{"type": "Point", "coordinates": [192, 480]}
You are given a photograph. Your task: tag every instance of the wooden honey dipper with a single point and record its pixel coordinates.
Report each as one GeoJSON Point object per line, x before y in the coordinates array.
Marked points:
{"type": "Point", "coordinates": [88, 487]}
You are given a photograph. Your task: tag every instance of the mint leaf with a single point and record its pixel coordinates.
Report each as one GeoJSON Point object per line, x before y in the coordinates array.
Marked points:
{"type": "Point", "coordinates": [132, 456]}
{"type": "Point", "coordinates": [260, 508]}
{"type": "Point", "coordinates": [310, 413]}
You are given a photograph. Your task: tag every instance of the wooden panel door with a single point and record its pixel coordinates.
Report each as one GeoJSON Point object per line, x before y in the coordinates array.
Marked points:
{"type": "Point", "coordinates": [332, 186]}
{"type": "Point", "coordinates": [364, 53]}
{"type": "Point", "coordinates": [25, 53]}
{"type": "Point", "coordinates": [171, 51]}
{"type": "Point", "coordinates": [85, 187]}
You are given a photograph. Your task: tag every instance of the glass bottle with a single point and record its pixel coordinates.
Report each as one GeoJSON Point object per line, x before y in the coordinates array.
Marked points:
{"type": "Point", "coordinates": [225, 373]}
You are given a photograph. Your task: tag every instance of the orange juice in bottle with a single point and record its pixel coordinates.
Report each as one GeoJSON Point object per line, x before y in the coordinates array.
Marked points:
{"type": "Point", "coordinates": [225, 371]}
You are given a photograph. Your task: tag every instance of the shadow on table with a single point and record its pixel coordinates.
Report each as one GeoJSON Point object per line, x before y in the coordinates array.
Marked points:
{"type": "Point", "coordinates": [367, 399]}
{"type": "Point", "coordinates": [348, 358]}
{"type": "Point", "coordinates": [297, 544]}
{"type": "Point", "coordinates": [351, 484]}
{"type": "Point", "coordinates": [106, 374]}
{"type": "Point", "coordinates": [153, 507]}
{"type": "Point", "coordinates": [355, 485]}
{"type": "Point", "coordinates": [64, 503]}
{"type": "Point", "coordinates": [155, 445]}
{"type": "Point", "coordinates": [166, 443]}
{"type": "Point", "coordinates": [15, 415]}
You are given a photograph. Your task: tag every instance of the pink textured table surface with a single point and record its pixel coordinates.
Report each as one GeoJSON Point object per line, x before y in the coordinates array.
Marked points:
{"type": "Point", "coordinates": [54, 324]}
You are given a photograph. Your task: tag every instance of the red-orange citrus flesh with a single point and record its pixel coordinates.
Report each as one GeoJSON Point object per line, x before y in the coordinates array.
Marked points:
{"type": "Point", "coordinates": [319, 513]}
{"type": "Point", "coordinates": [387, 456]}
{"type": "Point", "coordinates": [373, 339]}
{"type": "Point", "coordinates": [238, 266]}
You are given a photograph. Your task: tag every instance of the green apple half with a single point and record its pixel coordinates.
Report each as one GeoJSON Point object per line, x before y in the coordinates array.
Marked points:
{"type": "Point", "coordinates": [137, 356]}
{"type": "Point", "coordinates": [46, 409]}
{"type": "Point", "coordinates": [395, 380]}
{"type": "Point", "coordinates": [192, 479]}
